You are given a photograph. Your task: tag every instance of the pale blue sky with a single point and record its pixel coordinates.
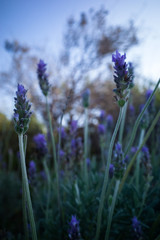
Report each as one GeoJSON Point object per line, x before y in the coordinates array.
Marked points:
{"type": "Point", "coordinates": [42, 22]}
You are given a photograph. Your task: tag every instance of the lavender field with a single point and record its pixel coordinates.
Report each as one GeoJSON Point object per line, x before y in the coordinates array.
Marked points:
{"type": "Point", "coordinates": [80, 154]}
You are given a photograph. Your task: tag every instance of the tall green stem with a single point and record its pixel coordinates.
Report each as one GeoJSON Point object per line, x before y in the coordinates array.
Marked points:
{"type": "Point", "coordinates": [133, 134]}
{"type": "Point", "coordinates": [86, 147]}
{"type": "Point", "coordinates": [136, 154]}
{"type": "Point", "coordinates": [26, 187]}
{"type": "Point", "coordinates": [138, 159]}
{"type": "Point", "coordinates": [49, 187]}
{"type": "Point", "coordinates": [111, 210]}
{"type": "Point", "coordinates": [121, 130]}
{"type": "Point", "coordinates": [102, 197]}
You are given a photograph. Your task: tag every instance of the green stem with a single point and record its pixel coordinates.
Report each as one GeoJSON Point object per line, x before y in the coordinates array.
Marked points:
{"type": "Point", "coordinates": [24, 211]}
{"type": "Point", "coordinates": [49, 188]}
{"type": "Point", "coordinates": [136, 154]}
{"type": "Point", "coordinates": [86, 147]}
{"type": "Point", "coordinates": [26, 187]}
{"type": "Point", "coordinates": [133, 134]}
{"type": "Point", "coordinates": [121, 130]}
{"type": "Point", "coordinates": [112, 209]}
{"type": "Point", "coordinates": [138, 159]}
{"type": "Point", "coordinates": [102, 197]}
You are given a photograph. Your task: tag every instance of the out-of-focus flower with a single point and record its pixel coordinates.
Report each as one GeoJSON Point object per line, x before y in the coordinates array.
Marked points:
{"type": "Point", "coordinates": [85, 98]}
{"type": "Point", "coordinates": [22, 111]}
{"type": "Point", "coordinates": [109, 120]}
{"type": "Point", "coordinates": [43, 77]}
{"type": "Point", "coordinates": [41, 144]}
{"type": "Point", "coordinates": [136, 228]}
{"type": "Point", "coordinates": [32, 171]}
{"type": "Point", "coordinates": [102, 116]}
{"type": "Point", "coordinates": [63, 132]}
{"type": "Point", "coordinates": [101, 129]}
{"type": "Point", "coordinates": [74, 230]}
{"type": "Point", "coordinates": [88, 161]}
{"type": "Point", "coordinates": [131, 110]}
{"type": "Point", "coordinates": [111, 170]}
{"type": "Point", "coordinates": [146, 161]}
{"type": "Point", "coordinates": [73, 126]}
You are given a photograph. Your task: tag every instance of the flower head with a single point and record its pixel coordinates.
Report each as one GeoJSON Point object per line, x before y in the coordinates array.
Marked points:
{"type": "Point", "coordinates": [136, 226]}
{"type": "Point", "coordinates": [41, 144]}
{"type": "Point", "coordinates": [32, 170]}
{"type": "Point", "coordinates": [73, 126]}
{"type": "Point", "coordinates": [22, 111]}
{"type": "Point", "coordinates": [43, 77]}
{"type": "Point", "coordinates": [118, 161]}
{"type": "Point", "coordinates": [123, 77]}
{"type": "Point", "coordinates": [111, 170]}
{"type": "Point", "coordinates": [85, 98]}
{"type": "Point", "coordinates": [74, 230]}
{"type": "Point", "coordinates": [109, 120]}
{"type": "Point", "coordinates": [101, 129]}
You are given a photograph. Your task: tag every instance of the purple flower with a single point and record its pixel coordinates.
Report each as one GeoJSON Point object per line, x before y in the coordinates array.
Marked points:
{"type": "Point", "coordinates": [61, 154]}
{"type": "Point", "coordinates": [41, 144]}
{"type": "Point", "coordinates": [74, 230]}
{"type": "Point", "coordinates": [146, 160]}
{"type": "Point", "coordinates": [85, 98]}
{"type": "Point", "coordinates": [102, 116]}
{"type": "Point", "coordinates": [32, 171]}
{"type": "Point", "coordinates": [22, 111]}
{"type": "Point", "coordinates": [148, 93]}
{"type": "Point", "coordinates": [118, 161]}
{"type": "Point", "coordinates": [43, 175]}
{"type": "Point", "coordinates": [101, 129]}
{"type": "Point", "coordinates": [109, 120]}
{"type": "Point", "coordinates": [43, 77]}
{"type": "Point", "coordinates": [134, 149]}
{"type": "Point", "coordinates": [122, 77]}
{"type": "Point", "coordinates": [63, 132]}
{"type": "Point", "coordinates": [111, 170]}
{"type": "Point", "coordinates": [131, 110]}
{"type": "Point", "coordinates": [136, 226]}
{"type": "Point", "coordinates": [74, 126]}
{"type": "Point", "coordinates": [88, 161]}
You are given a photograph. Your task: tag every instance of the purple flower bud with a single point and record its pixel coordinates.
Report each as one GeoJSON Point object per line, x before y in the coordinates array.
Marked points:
{"type": "Point", "coordinates": [102, 116]}
{"type": "Point", "coordinates": [74, 126]}
{"type": "Point", "coordinates": [111, 170]}
{"type": "Point", "coordinates": [22, 112]}
{"type": "Point", "coordinates": [88, 161]}
{"type": "Point", "coordinates": [43, 77]}
{"type": "Point", "coordinates": [32, 171]}
{"type": "Point", "coordinates": [109, 120]}
{"type": "Point", "coordinates": [148, 93]}
{"type": "Point", "coordinates": [134, 149]}
{"type": "Point", "coordinates": [118, 161]}
{"type": "Point", "coordinates": [74, 230]}
{"type": "Point", "coordinates": [131, 110]}
{"type": "Point", "coordinates": [136, 226]}
{"type": "Point", "coordinates": [101, 129]}
{"type": "Point", "coordinates": [61, 154]}
{"type": "Point", "coordinates": [85, 98]}
{"type": "Point", "coordinates": [63, 132]}
{"type": "Point", "coordinates": [41, 144]}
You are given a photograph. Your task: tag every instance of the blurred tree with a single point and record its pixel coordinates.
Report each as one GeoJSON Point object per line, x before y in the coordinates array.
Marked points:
{"type": "Point", "coordinates": [88, 42]}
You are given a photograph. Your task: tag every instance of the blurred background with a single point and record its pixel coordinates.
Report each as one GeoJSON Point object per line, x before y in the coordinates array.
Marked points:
{"type": "Point", "coordinates": [76, 39]}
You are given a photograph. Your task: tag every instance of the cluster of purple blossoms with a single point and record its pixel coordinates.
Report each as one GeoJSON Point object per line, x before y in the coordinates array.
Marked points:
{"type": "Point", "coordinates": [146, 161]}
{"type": "Point", "coordinates": [43, 77]}
{"type": "Point", "coordinates": [32, 170]}
{"type": "Point", "coordinates": [136, 229]}
{"type": "Point", "coordinates": [22, 111]}
{"type": "Point", "coordinates": [109, 120]}
{"type": "Point", "coordinates": [118, 161]}
{"type": "Point", "coordinates": [85, 98]}
{"type": "Point", "coordinates": [74, 230]}
{"type": "Point", "coordinates": [76, 146]}
{"type": "Point", "coordinates": [73, 127]}
{"type": "Point", "coordinates": [123, 77]}
{"type": "Point", "coordinates": [101, 129]}
{"type": "Point", "coordinates": [41, 144]}
{"type": "Point", "coordinates": [62, 132]}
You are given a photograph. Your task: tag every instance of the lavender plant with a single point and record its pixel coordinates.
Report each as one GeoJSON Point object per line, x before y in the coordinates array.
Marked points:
{"type": "Point", "coordinates": [21, 117]}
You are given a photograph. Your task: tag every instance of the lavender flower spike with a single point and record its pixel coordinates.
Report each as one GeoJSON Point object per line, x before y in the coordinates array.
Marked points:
{"type": "Point", "coordinates": [43, 77]}
{"type": "Point", "coordinates": [137, 230]}
{"type": "Point", "coordinates": [41, 144]}
{"type": "Point", "coordinates": [123, 78]}
{"type": "Point", "coordinates": [22, 111]}
{"type": "Point", "coordinates": [74, 231]}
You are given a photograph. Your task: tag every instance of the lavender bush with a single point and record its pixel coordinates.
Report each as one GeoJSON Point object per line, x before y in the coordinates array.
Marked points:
{"type": "Point", "coordinates": [81, 194]}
